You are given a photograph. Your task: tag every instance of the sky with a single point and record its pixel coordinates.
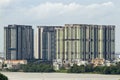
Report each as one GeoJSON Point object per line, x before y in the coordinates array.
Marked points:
{"type": "Point", "coordinates": [59, 12]}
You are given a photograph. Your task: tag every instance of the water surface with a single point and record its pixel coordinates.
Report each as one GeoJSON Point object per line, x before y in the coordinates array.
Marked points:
{"type": "Point", "coordinates": [58, 76]}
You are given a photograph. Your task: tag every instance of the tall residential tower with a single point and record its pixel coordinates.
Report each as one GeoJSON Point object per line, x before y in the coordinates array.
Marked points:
{"type": "Point", "coordinates": [85, 42]}
{"type": "Point", "coordinates": [18, 42]}
{"type": "Point", "coordinates": [46, 42]}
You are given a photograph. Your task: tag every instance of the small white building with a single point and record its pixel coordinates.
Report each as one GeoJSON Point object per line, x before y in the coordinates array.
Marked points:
{"type": "Point", "coordinates": [1, 62]}
{"type": "Point", "coordinates": [117, 56]}
{"type": "Point", "coordinates": [57, 64]}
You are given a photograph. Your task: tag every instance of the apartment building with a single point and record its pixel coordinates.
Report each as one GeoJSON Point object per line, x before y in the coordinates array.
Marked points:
{"type": "Point", "coordinates": [74, 42]}
{"type": "Point", "coordinates": [18, 42]}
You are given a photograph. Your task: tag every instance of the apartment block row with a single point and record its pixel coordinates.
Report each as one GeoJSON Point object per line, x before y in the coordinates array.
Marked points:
{"type": "Point", "coordinates": [63, 43]}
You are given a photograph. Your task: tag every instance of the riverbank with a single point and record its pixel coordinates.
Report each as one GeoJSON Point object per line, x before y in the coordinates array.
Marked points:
{"type": "Point", "coordinates": [58, 76]}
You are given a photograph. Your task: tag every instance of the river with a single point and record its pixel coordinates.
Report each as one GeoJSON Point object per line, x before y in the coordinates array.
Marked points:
{"type": "Point", "coordinates": [58, 76]}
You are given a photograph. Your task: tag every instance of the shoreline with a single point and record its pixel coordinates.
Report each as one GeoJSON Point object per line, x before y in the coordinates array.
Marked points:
{"type": "Point", "coordinates": [56, 73]}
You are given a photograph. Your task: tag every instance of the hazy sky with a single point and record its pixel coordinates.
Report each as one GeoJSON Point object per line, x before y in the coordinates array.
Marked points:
{"type": "Point", "coordinates": [59, 12]}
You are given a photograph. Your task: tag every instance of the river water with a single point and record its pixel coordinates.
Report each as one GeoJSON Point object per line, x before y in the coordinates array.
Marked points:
{"type": "Point", "coordinates": [58, 76]}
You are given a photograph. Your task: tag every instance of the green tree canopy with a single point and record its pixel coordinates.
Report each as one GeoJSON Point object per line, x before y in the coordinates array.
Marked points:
{"type": "Point", "coordinates": [3, 77]}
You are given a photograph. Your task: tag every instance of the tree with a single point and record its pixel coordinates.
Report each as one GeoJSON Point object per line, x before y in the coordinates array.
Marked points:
{"type": "Point", "coordinates": [77, 69]}
{"type": "Point", "coordinates": [3, 77]}
{"type": "Point", "coordinates": [113, 69]}
{"type": "Point", "coordinates": [118, 68]}
{"type": "Point", "coordinates": [107, 70]}
{"type": "Point", "coordinates": [89, 68]}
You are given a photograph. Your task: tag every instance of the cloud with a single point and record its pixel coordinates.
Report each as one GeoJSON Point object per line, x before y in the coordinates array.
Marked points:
{"type": "Point", "coordinates": [55, 13]}
{"type": "Point", "coordinates": [5, 2]}
{"type": "Point", "coordinates": [108, 4]}
{"type": "Point", "coordinates": [61, 12]}
{"type": "Point", "coordinates": [48, 9]}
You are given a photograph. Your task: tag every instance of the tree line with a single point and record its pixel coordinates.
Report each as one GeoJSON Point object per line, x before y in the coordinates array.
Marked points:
{"type": "Point", "coordinates": [45, 67]}
{"type": "Point", "coordinates": [113, 69]}
{"type": "Point", "coordinates": [37, 68]}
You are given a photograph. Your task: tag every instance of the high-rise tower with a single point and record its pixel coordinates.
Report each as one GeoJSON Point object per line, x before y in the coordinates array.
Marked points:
{"type": "Point", "coordinates": [18, 42]}
{"type": "Point", "coordinates": [46, 42]}
{"type": "Point", "coordinates": [85, 42]}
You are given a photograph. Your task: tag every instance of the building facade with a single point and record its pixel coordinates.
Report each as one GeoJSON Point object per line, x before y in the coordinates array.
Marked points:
{"type": "Point", "coordinates": [85, 42]}
{"type": "Point", "coordinates": [18, 42]}
{"type": "Point", "coordinates": [75, 42]}
{"type": "Point", "coordinates": [46, 43]}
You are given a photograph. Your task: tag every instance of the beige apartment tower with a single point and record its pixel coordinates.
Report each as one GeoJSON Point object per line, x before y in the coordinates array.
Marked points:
{"type": "Point", "coordinates": [85, 42]}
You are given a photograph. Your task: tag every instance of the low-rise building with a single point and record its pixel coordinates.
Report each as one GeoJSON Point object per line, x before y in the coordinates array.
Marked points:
{"type": "Point", "coordinates": [98, 62]}
{"type": "Point", "coordinates": [14, 63]}
{"type": "Point", "coordinates": [59, 63]}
